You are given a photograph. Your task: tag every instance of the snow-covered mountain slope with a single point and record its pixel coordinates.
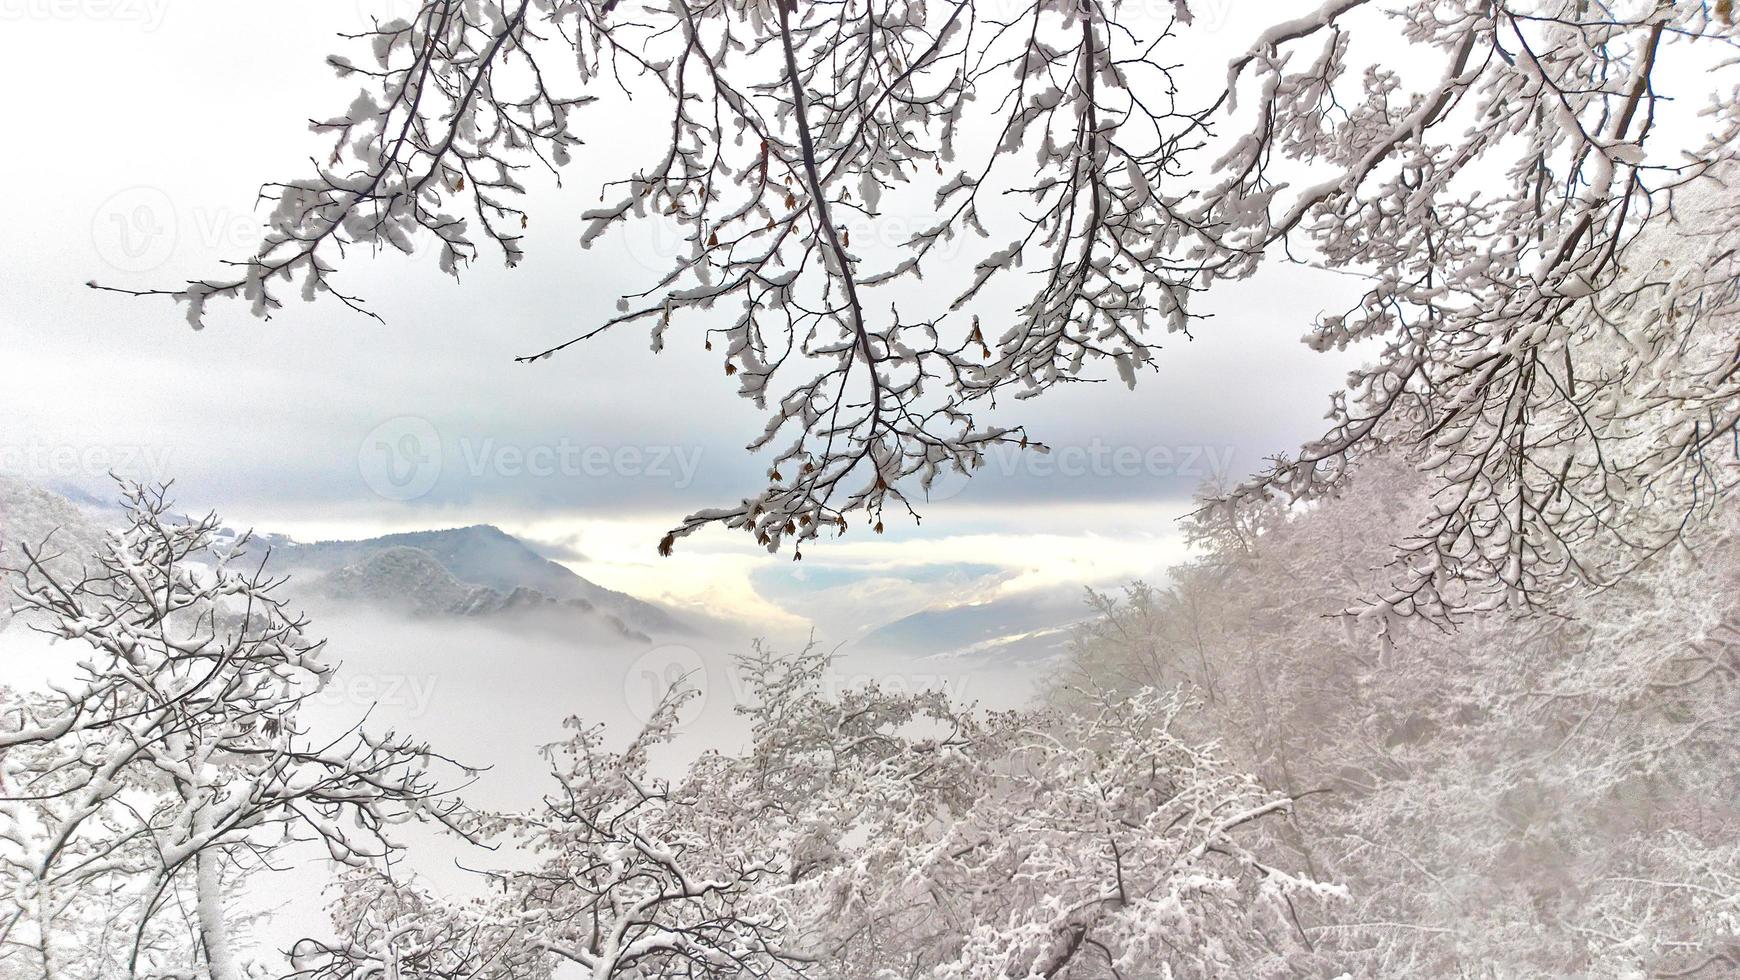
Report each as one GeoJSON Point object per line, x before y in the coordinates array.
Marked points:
{"type": "Point", "coordinates": [411, 580]}
{"type": "Point", "coordinates": [488, 557]}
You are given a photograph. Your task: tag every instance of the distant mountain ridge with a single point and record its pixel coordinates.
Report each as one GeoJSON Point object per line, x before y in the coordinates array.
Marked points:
{"type": "Point", "coordinates": [1031, 628]}
{"type": "Point", "coordinates": [414, 581]}
{"type": "Point", "coordinates": [480, 556]}
{"type": "Point", "coordinates": [478, 570]}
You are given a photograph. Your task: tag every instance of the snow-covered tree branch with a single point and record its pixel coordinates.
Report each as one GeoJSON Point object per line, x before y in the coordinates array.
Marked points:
{"type": "Point", "coordinates": [1500, 194]}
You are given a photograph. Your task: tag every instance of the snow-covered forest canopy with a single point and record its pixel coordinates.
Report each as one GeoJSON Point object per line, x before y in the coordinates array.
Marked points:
{"type": "Point", "coordinates": [1451, 689]}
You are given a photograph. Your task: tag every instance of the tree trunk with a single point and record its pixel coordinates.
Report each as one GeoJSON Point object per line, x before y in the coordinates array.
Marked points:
{"type": "Point", "coordinates": [220, 958]}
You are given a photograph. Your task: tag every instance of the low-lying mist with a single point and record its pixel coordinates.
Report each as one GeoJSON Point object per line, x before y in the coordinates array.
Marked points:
{"type": "Point", "coordinates": [489, 692]}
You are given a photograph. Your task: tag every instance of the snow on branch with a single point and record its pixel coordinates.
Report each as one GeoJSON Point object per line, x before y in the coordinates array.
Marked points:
{"type": "Point", "coordinates": [1496, 172]}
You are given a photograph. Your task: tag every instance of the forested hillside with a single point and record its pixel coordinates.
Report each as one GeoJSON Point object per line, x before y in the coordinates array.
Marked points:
{"type": "Point", "coordinates": [1514, 793]}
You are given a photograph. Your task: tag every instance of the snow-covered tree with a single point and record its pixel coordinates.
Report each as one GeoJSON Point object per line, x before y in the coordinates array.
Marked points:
{"type": "Point", "coordinates": [1523, 795]}
{"type": "Point", "coordinates": [1493, 168]}
{"type": "Point", "coordinates": [168, 759]}
{"type": "Point", "coordinates": [630, 882]}
{"type": "Point", "coordinates": [870, 834]}
{"type": "Point", "coordinates": [393, 927]}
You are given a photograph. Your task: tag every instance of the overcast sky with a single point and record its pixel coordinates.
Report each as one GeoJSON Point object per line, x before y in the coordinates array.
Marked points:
{"type": "Point", "coordinates": [143, 130]}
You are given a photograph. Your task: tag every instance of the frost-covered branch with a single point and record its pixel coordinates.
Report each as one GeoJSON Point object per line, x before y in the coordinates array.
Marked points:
{"type": "Point", "coordinates": [1501, 174]}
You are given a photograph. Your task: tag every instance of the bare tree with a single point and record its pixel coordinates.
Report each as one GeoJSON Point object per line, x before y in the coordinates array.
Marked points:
{"type": "Point", "coordinates": [173, 760]}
